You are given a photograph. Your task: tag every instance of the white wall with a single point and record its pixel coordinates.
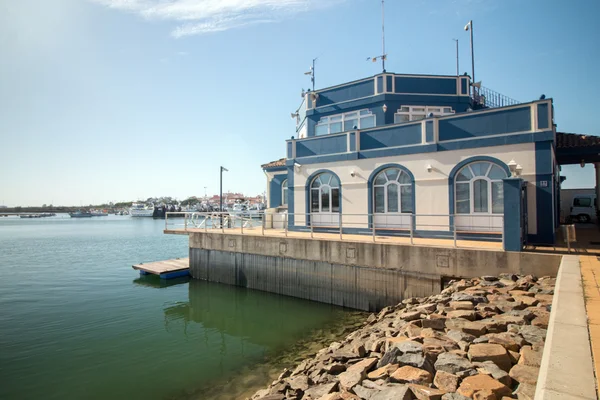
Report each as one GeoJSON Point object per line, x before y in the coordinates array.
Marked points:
{"type": "Point", "coordinates": [431, 188]}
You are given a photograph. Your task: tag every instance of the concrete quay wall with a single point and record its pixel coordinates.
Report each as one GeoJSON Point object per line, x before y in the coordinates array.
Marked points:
{"type": "Point", "coordinates": [360, 275]}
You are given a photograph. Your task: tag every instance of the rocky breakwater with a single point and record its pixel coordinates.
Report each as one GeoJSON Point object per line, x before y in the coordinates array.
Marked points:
{"type": "Point", "coordinates": [478, 339]}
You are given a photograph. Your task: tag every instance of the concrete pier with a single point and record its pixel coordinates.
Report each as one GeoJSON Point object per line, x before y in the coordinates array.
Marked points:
{"type": "Point", "coordinates": [360, 275]}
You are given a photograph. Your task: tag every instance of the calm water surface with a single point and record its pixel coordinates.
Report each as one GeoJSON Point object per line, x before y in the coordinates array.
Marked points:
{"type": "Point", "coordinates": [76, 322]}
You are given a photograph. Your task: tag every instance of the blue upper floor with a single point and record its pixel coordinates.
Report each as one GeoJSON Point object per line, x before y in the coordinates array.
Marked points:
{"type": "Point", "coordinates": [381, 100]}
{"type": "Point", "coordinates": [522, 123]}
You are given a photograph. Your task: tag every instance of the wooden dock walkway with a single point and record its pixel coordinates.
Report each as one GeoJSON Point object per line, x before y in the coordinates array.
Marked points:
{"type": "Point", "coordinates": [165, 269]}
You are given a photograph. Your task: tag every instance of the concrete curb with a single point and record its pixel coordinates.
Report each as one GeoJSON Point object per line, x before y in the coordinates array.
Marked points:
{"type": "Point", "coordinates": [567, 370]}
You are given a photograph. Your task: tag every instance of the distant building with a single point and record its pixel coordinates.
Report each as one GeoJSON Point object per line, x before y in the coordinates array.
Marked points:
{"type": "Point", "coordinates": [1, 206]}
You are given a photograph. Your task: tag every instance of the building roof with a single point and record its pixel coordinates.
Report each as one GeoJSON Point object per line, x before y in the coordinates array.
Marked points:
{"type": "Point", "coordinates": [272, 164]}
{"type": "Point", "coordinates": [574, 140]}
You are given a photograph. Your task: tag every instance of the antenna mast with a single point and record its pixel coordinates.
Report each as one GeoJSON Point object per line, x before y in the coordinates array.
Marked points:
{"type": "Point", "coordinates": [383, 35]}
{"type": "Point", "coordinates": [383, 56]}
{"type": "Point", "coordinates": [312, 73]}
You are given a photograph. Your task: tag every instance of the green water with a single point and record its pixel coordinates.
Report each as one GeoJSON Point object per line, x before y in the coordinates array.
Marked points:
{"type": "Point", "coordinates": [76, 322]}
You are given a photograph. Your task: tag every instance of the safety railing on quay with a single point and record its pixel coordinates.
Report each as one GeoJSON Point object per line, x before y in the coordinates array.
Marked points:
{"type": "Point", "coordinates": [455, 227]}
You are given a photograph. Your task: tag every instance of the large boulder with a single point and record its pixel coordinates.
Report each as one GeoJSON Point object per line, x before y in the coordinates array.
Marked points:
{"type": "Point", "coordinates": [425, 392]}
{"type": "Point", "coordinates": [473, 384]}
{"type": "Point", "coordinates": [394, 393]}
{"type": "Point", "coordinates": [408, 374]}
{"type": "Point", "coordinates": [317, 392]}
{"type": "Point", "coordinates": [525, 374]}
{"type": "Point", "coordinates": [490, 352]}
{"type": "Point", "coordinates": [446, 381]}
{"type": "Point", "coordinates": [452, 363]}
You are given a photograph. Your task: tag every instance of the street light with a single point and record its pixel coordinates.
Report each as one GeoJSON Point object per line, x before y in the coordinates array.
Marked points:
{"type": "Point", "coordinates": [221, 193]}
{"type": "Point", "coordinates": [469, 27]}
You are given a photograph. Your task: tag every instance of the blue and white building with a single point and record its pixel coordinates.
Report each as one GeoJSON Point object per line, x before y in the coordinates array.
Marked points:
{"type": "Point", "coordinates": [420, 155]}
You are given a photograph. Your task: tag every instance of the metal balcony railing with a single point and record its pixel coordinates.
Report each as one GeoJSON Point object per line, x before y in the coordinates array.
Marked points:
{"type": "Point", "coordinates": [489, 98]}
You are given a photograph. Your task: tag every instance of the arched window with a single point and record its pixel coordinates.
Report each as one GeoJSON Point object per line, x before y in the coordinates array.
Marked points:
{"type": "Point", "coordinates": [393, 192]}
{"type": "Point", "coordinates": [284, 193]}
{"type": "Point", "coordinates": [325, 194]}
{"type": "Point", "coordinates": [478, 188]}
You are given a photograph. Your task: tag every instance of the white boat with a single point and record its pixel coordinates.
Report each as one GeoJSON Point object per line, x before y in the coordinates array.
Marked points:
{"type": "Point", "coordinates": [141, 210]}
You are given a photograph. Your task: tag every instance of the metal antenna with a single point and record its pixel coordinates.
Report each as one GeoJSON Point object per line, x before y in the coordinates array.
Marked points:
{"type": "Point", "coordinates": [457, 73]}
{"type": "Point", "coordinates": [383, 35]}
{"type": "Point", "coordinates": [312, 73]}
{"type": "Point", "coordinates": [383, 56]}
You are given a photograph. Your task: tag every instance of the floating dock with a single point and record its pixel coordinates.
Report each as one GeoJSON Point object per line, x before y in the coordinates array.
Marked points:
{"type": "Point", "coordinates": [165, 269]}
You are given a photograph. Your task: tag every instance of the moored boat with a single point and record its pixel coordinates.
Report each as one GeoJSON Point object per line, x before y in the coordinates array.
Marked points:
{"type": "Point", "coordinates": [80, 214]}
{"type": "Point", "coordinates": [141, 210]}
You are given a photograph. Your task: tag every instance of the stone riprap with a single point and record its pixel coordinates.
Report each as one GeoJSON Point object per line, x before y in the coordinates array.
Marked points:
{"type": "Point", "coordinates": [478, 339]}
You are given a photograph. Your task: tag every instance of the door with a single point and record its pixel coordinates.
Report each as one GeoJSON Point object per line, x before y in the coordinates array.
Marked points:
{"type": "Point", "coordinates": [325, 201]}
{"type": "Point", "coordinates": [524, 215]}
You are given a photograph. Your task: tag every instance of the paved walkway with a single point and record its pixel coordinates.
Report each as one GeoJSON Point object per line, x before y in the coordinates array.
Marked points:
{"type": "Point", "coordinates": [427, 242]}
{"type": "Point", "coordinates": [590, 271]}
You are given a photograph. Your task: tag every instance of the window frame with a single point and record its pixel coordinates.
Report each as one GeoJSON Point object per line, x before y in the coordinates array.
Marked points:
{"type": "Point", "coordinates": [471, 183]}
{"type": "Point", "coordinates": [358, 115]}
{"type": "Point", "coordinates": [284, 192]}
{"type": "Point", "coordinates": [422, 112]}
{"type": "Point", "coordinates": [320, 189]}
{"type": "Point", "coordinates": [386, 185]}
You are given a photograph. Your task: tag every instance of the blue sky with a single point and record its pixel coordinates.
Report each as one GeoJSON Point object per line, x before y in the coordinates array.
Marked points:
{"type": "Point", "coordinates": [111, 100]}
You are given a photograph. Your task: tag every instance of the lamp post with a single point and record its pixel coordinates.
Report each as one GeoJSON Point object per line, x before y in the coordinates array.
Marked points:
{"type": "Point", "coordinates": [221, 193]}
{"type": "Point", "coordinates": [469, 27]}
{"type": "Point", "coordinates": [457, 73]}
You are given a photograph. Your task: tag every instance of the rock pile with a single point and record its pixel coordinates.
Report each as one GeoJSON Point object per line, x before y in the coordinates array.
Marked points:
{"type": "Point", "coordinates": [478, 339]}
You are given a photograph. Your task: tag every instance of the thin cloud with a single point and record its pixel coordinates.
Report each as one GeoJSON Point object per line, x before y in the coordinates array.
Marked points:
{"type": "Point", "coordinates": [197, 17]}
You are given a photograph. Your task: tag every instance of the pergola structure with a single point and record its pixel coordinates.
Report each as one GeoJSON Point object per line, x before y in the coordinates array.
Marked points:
{"type": "Point", "coordinates": [574, 148]}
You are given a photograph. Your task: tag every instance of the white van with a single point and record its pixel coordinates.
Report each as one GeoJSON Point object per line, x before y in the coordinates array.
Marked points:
{"type": "Point", "coordinates": [583, 208]}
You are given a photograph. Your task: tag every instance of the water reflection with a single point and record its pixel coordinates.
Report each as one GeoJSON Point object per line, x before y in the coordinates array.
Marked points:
{"type": "Point", "coordinates": [155, 281]}
{"type": "Point", "coordinates": [261, 318]}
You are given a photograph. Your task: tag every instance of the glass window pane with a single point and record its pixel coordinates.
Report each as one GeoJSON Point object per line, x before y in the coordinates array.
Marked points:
{"type": "Point", "coordinates": [480, 168]}
{"type": "Point", "coordinates": [418, 109]}
{"type": "Point", "coordinates": [464, 175]}
{"type": "Point", "coordinates": [325, 178]}
{"type": "Point", "coordinates": [480, 195]}
{"type": "Point", "coordinates": [365, 112]}
{"type": "Point", "coordinates": [447, 110]}
{"type": "Point", "coordinates": [284, 196]}
{"type": "Point", "coordinates": [416, 117]}
{"type": "Point", "coordinates": [325, 198]}
{"type": "Point", "coordinates": [335, 200]}
{"type": "Point", "coordinates": [314, 200]}
{"type": "Point", "coordinates": [380, 179]}
{"type": "Point", "coordinates": [334, 182]}
{"type": "Point", "coordinates": [463, 202]}
{"type": "Point", "coordinates": [350, 115]}
{"type": "Point", "coordinates": [496, 173]}
{"type": "Point", "coordinates": [321, 130]}
{"type": "Point", "coordinates": [399, 118]}
{"type": "Point", "coordinates": [392, 173]}
{"type": "Point", "coordinates": [379, 199]}
{"type": "Point", "coordinates": [284, 184]}
{"type": "Point", "coordinates": [367, 122]}
{"type": "Point", "coordinates": [317, 182]}
{"type": "Point", "coordinates": [404, 178]}
{"type": "Point", "coordinates": [392, 197]}
{"type": "Point", "coordinates": [350, 124]}
{"type": "Point", "coordinates": [405, 109]}
{"type": "Point", "coordinates": [335, 118]}
{"type": "Point", "coordinates": [406, 198]}
{"type": "Point", "coordinates": [497, 197]}
{"type": "Point", "coordinates": [335, 127]}
{"type": "Point", "coordinates": [433, 109]}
